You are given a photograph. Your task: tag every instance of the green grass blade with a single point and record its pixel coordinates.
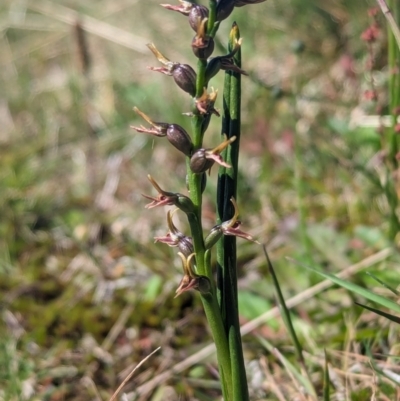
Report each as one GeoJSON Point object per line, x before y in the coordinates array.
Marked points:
{"type": "Point", "coordinates": [326, 379]}
{"type": "Point", "coordinates": [379, 371]}
{"type": "Point", "coordinates": [383, 283]}
{"type": "Point", "coordinates": [292, 369]}
{"type": "Point", "coordinates": [387, 303]}
{"type": "Point", "coordinates": [288, 323]}
{"type": "Point", "coordinates": [388, 316]}
{"type": "Point", "coordinates": [284, 310]}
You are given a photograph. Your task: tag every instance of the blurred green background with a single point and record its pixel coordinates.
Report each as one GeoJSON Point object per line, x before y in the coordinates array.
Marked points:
{"type": "Point", "coordinates": [85, 292]}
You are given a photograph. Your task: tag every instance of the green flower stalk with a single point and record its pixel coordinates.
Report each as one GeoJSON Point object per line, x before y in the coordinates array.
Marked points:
{"type": "Point", "coordinates": [219, 297]}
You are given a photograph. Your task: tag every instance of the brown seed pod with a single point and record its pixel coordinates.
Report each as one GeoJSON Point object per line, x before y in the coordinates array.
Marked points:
{"type": "Point", "coordinates": [203, 285]}
{"type": "Point", "coordinates": [199, 162]}
{"type": "Point", "coordinates": [204, 48]}
{"type": "Point", "coordinates": [196, 15]}
{"type": "Point", "coordinates": [224, 9]}
{"type": "Point", "coordinates": [203, 159]}
{"type": "Point", "coordinates": [202, 44]}
{"type": "Point", "coordinates": [179, 138]}
{"type": "Point", "coordinates": [185, 77]}
{"type": "Point", "coordinates": [185, 245]}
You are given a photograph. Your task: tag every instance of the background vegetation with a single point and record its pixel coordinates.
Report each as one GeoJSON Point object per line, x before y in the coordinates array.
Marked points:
{"type": "Point", "coordinates": [86, 294]}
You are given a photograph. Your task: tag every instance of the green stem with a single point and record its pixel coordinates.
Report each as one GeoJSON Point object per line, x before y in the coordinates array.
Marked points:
{"type": "Point", "coordinates": [226, 247]}
{"type": "Point", "coordinates": [211, 307]}
{"type": "Point", "coordinates": [212, 16]}
{"type": "Point", "coordinates": [203, 260]}
{"type": "Point", "coordinates": [214, 319]}
{"type": "Point", "coordinates": [200, 82]}
{"type": "Point", "coordinates": [210, 303]}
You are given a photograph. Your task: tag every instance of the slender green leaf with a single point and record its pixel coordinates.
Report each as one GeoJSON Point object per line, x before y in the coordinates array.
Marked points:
{"type": "Point", "coordinates": [299, 376]}
{"type": "Point", "coordinates": [380, 372]}
{"type": "Point", "coordinates": [226, 248]}
{"type": "Point", "coordinates": [393, 318]}
{"type": "Point", "coordinates": [387, 303]}
{"type": "Point", "coordinates": [326, 378]}
{"type": "Point", "coordinates": [390, 288]}
{"type": "Point", "coordinates": [288, 322]}
{"type": "Point", "coordinates": [284, 310]}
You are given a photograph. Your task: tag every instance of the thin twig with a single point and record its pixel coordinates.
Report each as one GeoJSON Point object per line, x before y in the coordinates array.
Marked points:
{"type": "Point", "coordinates": [90, 24]}
{"type": "Point", "coordinates": [117, 328]}
{"type": "Point", "coordinates": [91, 385]}
{"type": "Point", "coordinates": [114, 396]}
{"type": "Point", "coordinates": [390, 19]}
{"type": "Point", "coordinates": [295, 382]}
{"type": "Point", "coordinates": [270, 380]}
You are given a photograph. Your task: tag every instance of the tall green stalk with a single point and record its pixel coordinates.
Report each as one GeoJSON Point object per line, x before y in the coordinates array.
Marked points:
{"type": "Point", "coordinates": [226, 247]}
{"type": "Point", "coordinates": [220, 300]}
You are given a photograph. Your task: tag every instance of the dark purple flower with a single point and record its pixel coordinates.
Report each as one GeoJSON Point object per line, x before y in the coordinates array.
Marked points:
{"type": "Point", "coordinates": [183, 74]}
{"type": "Point", "coordinates": [229, 227]}
{"type": "Point", "coordinates": [175, 134]}
{"type": "Point", "coordinates": [195, 12]}
{"type": "Point", "coordinates": [165, 198]}
{"type": "Point", "coordinates": [191, 280]}
{"type": "Point", "coordinates": [202, 43]}
{"type": "Point", "coordinates": [176, 238]}
{"type": "Point", "coordinates": [205, 103]}
{"type": "Point", "coordinates": [203, 159]}
{"type": "Point", "coordinates": [224, 63]}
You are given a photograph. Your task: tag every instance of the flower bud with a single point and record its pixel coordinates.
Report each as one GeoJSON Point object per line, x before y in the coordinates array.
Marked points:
{"type": "Point", "coordinates": [185, 77]}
